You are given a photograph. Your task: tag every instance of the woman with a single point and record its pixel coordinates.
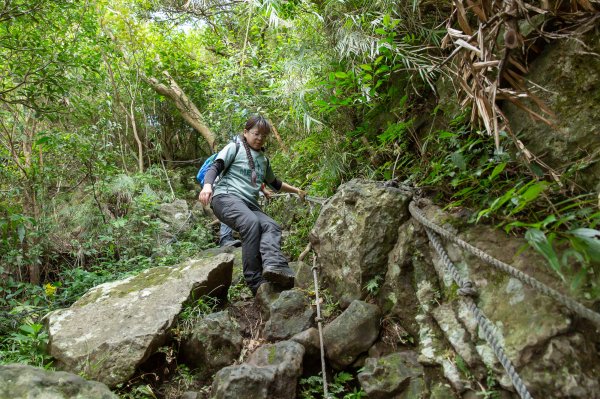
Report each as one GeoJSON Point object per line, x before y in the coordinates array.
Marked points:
{"type": "Point", "coordinates": [235, 202]}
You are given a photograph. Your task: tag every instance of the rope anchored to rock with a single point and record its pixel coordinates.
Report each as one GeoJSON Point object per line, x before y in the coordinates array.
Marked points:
{"type": "Point", "coordinates": [487, 328]}
{"type": "Point", "coordinates": [571, 304]}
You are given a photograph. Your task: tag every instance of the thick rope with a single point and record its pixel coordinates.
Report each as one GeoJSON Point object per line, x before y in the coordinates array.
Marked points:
{"type": "Point", "coordinates": [319, 320]}
{"type": "Point", "coordinates": [532, 282]}
{"type": "Point", "coordinates": [486, 327]}
{"type": "Point", "coordinates": [465, 286]}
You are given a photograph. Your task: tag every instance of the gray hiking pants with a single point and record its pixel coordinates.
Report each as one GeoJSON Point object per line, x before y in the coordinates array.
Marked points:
{"type": "Point", "coordinates": [261, 236]}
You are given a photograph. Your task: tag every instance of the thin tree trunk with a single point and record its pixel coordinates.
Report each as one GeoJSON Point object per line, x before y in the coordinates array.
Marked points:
{"type": "Point", "coordinates": [30, 204]}
{"type": "Point", "coordinates": [278, 137]}
{"type": "Point", "coordinates": [188, 109]}
{"type": "Point", "coordinates": [137, 139]}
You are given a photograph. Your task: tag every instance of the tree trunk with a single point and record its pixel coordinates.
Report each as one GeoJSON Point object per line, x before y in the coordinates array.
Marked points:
{"type": "Point", "coordinates": [137, 139]}
{"type": "Point", "coordinates": [188, 110]}
{"type": "Point", "coordinates": [279, 140]}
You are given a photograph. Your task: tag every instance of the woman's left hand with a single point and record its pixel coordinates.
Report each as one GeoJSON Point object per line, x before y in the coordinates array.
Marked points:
{"type": "Point", "coordinates": [302, 195]}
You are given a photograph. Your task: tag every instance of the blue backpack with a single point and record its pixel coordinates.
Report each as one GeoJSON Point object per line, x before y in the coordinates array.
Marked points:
{"type": "Point", "coordinates": [209, 161]}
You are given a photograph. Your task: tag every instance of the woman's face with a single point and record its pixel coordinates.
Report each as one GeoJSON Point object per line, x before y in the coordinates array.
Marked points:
{"type": "Point", "coordinates": [255, 139]}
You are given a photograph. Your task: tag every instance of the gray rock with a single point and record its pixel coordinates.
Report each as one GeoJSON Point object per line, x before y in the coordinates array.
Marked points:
{"type": "Point", "coordinates": [567, 369]}
{"type": "Point", "coordinates": [442, 391]}
{"type": "Point", "coordinates": [433, 349]}
{"type": "Point", "coordinates": [380, 349]}
{"type": "Point", "coordinates": [351, 333]}
{"type": "Point", "coordinates": [271, 373]}
{"type": "Point", "coordinates": [354, 233]}
{"type": "Point", "coordinates": [189, 395]}
{"type": "Point", "coordinates": [265, 296]}
{"type": "Point", "coordinates": [396, 295]}
{"type": "Point", "coordinates": [215, 342]}
{"type": "Point", "coordinates": [505, 302]}
{"type": "Point", "coordinates": [455, 333]}
{"type": "Point", "coordinates": [526, 336]}
{"type": "Point", "coordinates": [19, 381]}
{"type": "Point", "coordinates": [304, 275]}
{"type": "Point", "coordinates": [243, 382]}
{"type": "Point", "coordinates": [291, 314]}
{"type": "Point", "coordinates": [310, 340]}
{"type": "Point", "coordinates": [116, 326]}
{"type": "Point", "coordinates": [175, 215]}
{"type": "Point", "coordinates": [571, 79]}
{"type": "Point", "coordinates": [397, 375]}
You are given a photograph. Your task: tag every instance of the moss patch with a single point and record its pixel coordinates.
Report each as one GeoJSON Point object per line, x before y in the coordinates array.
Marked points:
{"type": "Point", "coordinates": [272, 355]}
{"type": "Point", "coordinates": [146, 279]}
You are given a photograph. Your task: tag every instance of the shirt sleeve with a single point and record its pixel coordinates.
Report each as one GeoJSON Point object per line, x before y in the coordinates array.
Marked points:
{"type": "Point", "coordinates": [215, 170]}
{"type": "Point", "coordinates": [224, 159]}
{"type": "Point", "coordinates": [227, 154]}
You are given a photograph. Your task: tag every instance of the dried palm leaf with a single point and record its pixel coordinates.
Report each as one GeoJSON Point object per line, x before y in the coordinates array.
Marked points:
{"type": "Point", "coordinates": [481, 58]}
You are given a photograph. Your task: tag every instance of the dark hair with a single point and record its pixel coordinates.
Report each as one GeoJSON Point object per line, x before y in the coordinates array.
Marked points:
{"type": "Point", "coordinates": [264, 127]}
{"type": "Point", "coordinates": [258, 121]}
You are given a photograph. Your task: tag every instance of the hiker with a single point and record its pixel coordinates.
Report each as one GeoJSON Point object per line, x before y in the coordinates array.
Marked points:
{"type": "Point", "coordinates": [235, 202]}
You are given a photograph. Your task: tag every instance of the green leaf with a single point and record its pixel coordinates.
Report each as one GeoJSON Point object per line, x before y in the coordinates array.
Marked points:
{"type": "Point", "coordinates": [382, 69]}
{"type": "Point", "coordinates": [386, 19]}
{"type": "Point", "coordinates": [341, 75]}
{"type": "Point", "coordinates": [458, 160]}
{"type": "Point", "coordinates": [532, 192]}
{"type": "Point", "coordinates": [585, 240]}
{"type": "Point", "coordinates": [42, 140]}
{"type": "Point", "coordinates": [447, 135]}
{"type": "Point", "coordinates": [497, 170]}
{"type": "Point", "coordinates": [366, 67]}
{"type": "Point", "coordinates": [585, 233]}
{"type": "Point", "coordinates": [537, 239]}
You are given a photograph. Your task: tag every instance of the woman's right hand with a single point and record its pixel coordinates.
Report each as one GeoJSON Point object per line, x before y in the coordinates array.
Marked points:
{"type": "Point", "coordinates": [205, 194]}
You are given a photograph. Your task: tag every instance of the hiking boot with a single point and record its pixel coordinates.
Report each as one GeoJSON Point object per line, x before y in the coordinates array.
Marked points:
{"type": "Point", "coordinates": [282, 276]}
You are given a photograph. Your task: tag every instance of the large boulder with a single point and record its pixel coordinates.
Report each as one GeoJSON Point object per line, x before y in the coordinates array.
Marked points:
{"type": "Point", "coordinates": [503, 299]}
{"type": "Point", "coordinates": [116, 326]}
{"type": "Point", "coordinates": [570, 76]}
{"type": "Point", "coordinates": [354, 233]}
{"type": "Point", "coordinates": [271, 373]}
{"type": "Point", "coordinates": [351, 333]}
{"type": "Point", "coordinates": [291, 314]}
{"type": "Point", "coordinates": [528, 337]}
{"type": "Point", "coordinates": [214, 342]}
{"type": "Point", "coordinates": [18, 381]}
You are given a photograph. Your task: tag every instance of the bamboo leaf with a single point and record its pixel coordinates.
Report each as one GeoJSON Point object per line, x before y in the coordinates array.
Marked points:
{"type": "Point", "coordinates": [537, 239]}
{"type": "Point", "coordinates": [497, 170]}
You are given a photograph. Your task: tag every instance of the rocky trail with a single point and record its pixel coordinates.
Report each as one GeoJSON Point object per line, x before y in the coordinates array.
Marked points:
{"type": "Point", "coordinates": [393, 315]}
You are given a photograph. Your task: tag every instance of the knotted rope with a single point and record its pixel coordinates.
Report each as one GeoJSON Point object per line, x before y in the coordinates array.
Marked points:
{"type": "Point", "coordinates": [571, 304]}
{"type": "Point", "coordinates": [488, 329]}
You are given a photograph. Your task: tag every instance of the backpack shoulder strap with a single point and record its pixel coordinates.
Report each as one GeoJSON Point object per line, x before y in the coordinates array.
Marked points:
{"type": "Point", "coordinates": [237, 149]}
